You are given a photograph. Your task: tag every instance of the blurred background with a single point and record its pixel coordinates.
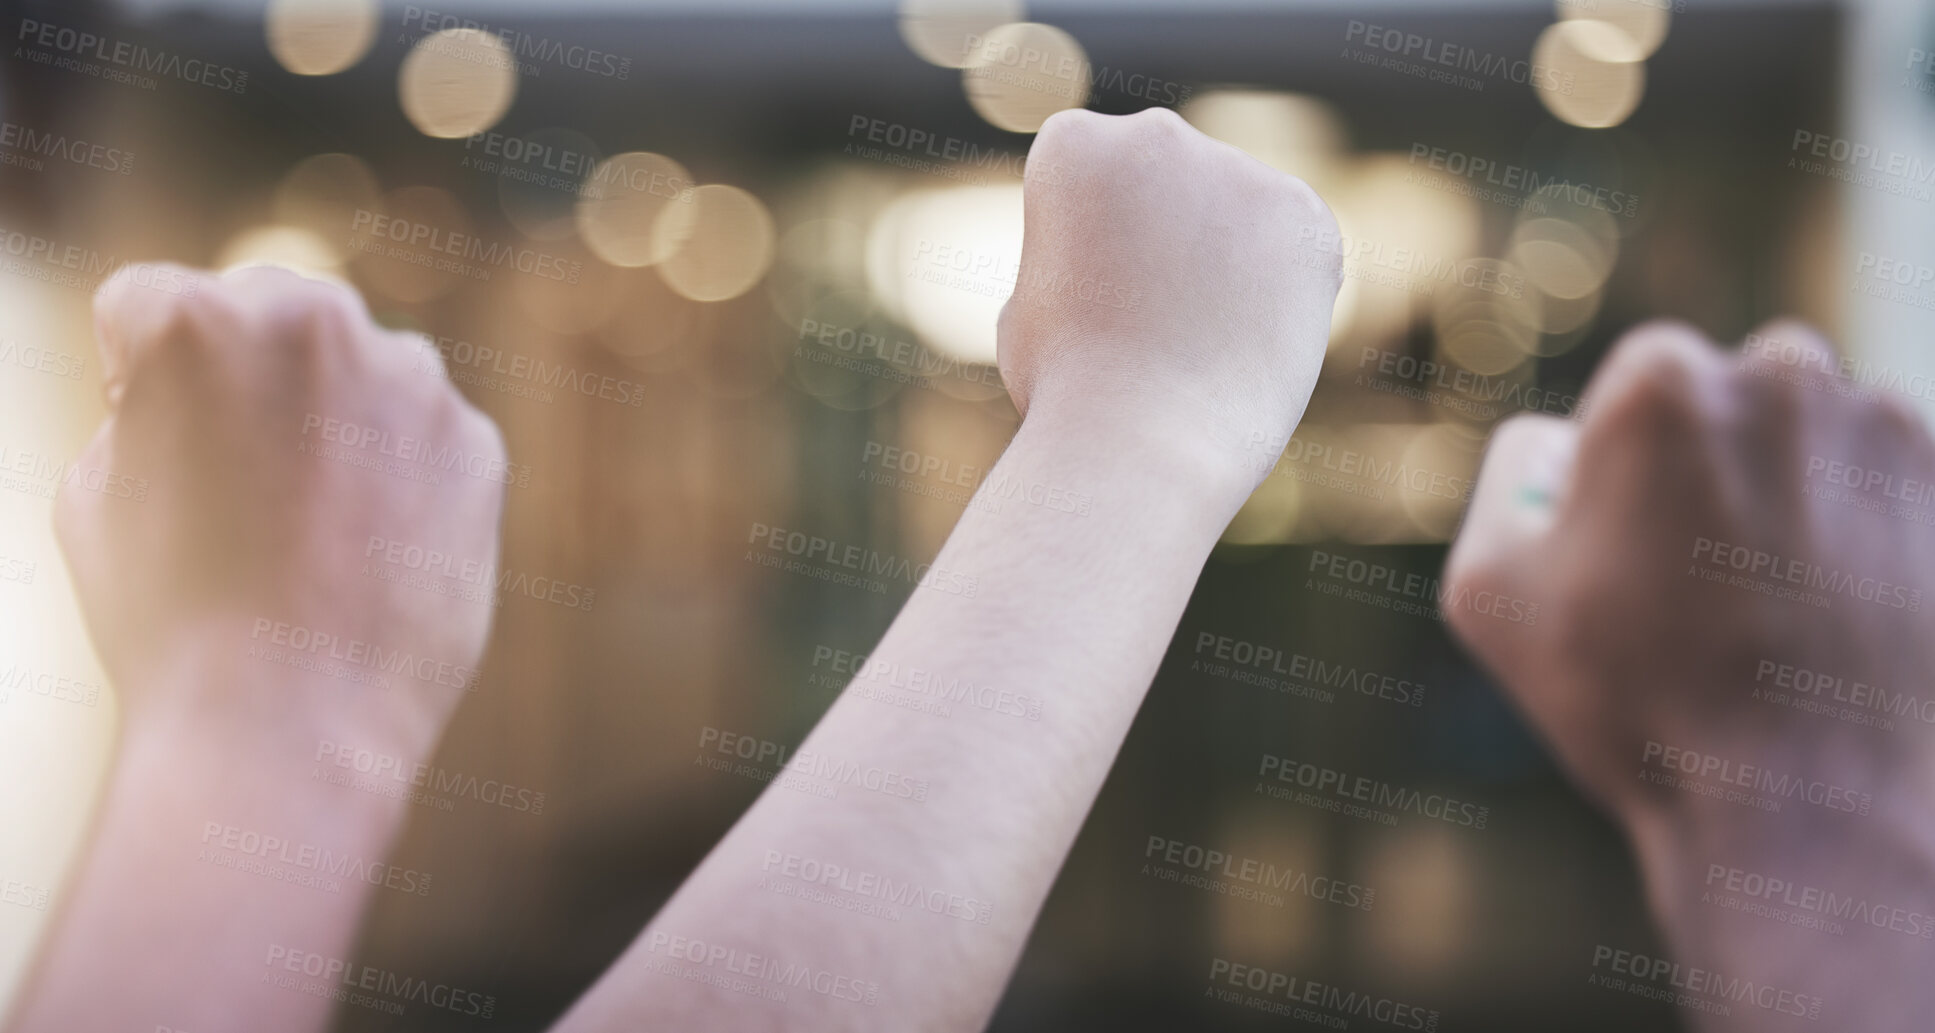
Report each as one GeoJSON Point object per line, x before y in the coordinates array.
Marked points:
{"type": "Point", "coordinates": [716, 266]}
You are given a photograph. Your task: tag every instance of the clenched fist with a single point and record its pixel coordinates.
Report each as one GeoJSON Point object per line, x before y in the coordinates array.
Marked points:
{"type": "Point", "coordinates": [282, 440]}
{"type": "Point", "coordinates": [1162, 289]}
{"type": "Point", "coordinates": [244, 598]}
{"type": "Point", "coordinates": [1733, 655]}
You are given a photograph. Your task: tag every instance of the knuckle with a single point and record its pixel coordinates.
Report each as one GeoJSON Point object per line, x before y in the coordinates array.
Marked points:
{"type": "Point", "coordinates": [1662, 367]}
{"type": "Point", "coordinates": [1152, 126]}
{"type": "Point", "coordinates": [1757, 391]}
{"type": "Point", "coordinates": [1066, 128]}
{"type": "Point", "coordinates": [333, 308]}
{"type": "Point", "coordinates": [1784, 346]}
{"type": "Point", "coordinates": [312, 316]}
{"type": "Point", "coordinates": [1163, 118]}
{"type": "Point", "coordinates": [183, 329]}
{"type": "Point", "coordinates": [256, 277]}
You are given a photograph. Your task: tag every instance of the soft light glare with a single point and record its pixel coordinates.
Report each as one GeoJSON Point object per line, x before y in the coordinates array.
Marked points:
{"type": "Point", "coordinates": [1289, 132]}
{"type": "Point", "coordinates": [723, 250]}
{"type": "Point", "coordinates": [944, 261]}
{"type": "Point", "coordinates": [1269, 515]}
{"type": "Point", "coordinates": [1560, 258]}
{"type": "Point", "coordinates": [291, 247]}
{"type": "Point", "coordinates": [1487, 321]}
{"type": "Point", "coordinates": [398, 269]}
{"type": "Point", "coordinates": [1448, 461]}
{"type": "Point", "coordinates": [323, 192]}
{"type": "Point", "coordinates": [1400, 242]}
{"type": "Point", "coordinates": [944, 32]}
{"type": "Point", "coordinates": [457, 82]}
{"type": "Point", "coordinates": [1024, 72]}
{"type": "Point", "coordinates": [1643, 22]}
{"type": "Point", "coordinates": [1568, 259]}
{"type": "Point", "coordinates": [1606, 82]}
{"type": "Point", "coordinates": [623, 203]}
{"type": "Point", "coordinates": [319, 37]}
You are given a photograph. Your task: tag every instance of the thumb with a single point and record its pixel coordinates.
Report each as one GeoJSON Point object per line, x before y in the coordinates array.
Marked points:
{"type": "Point", "coordinates": [1527, 469]}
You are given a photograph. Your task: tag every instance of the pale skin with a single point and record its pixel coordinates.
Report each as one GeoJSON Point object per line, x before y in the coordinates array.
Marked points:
{"type": "Point", "coordinates": [1150, 411]}
{"type": "Point", "coordinates": [1684, 454]}
{"type": "Point", "coordinates": [1152, 414]}
{"type": "Point", "coordinates": [241, 538]}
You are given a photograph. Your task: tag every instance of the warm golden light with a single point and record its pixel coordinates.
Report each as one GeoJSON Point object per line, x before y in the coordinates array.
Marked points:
{"type": "Point", "coordinates": [319, 37]}
{"type": "Point", "coordinates": [1290, 132]}
{"type": "Point", "coordinates": [1569, 261]}
{"type": "Point", "coordinates": [323, 192]}
{"type": "Point", "coordinates": [1399, 242]}
{"type": "Point", "coordinates": [1560, 258]}
{"type": "Point", "coordinates": [722, 250]}
{"type": "Point", "coordinates": [565, 307]}
{"type": "Point", "coordinates": [291, 247]}
{"type": "Point", "coordinates": [1644, 23]}
{"type": "Point", "coordinates": [944, 261]}
{"type": "Point", "coordinates": [1594, 59]}
{"type": "Point", "coordinates": [1023, 72]}
{"type": "Point", "coordinates": [1439, 464]}
{"type": "Point", "coordinates": [457, 82]}
{"type": "Point", "coordinates": [402, 269]}
{"type": "Point", "coordinates": [1487, 320]}
{"type": "Point", "coordinates": [624, 201]}
{"type": "Point", "coordinates": [945, 32]}
{"type": "Point", "coordinates": [653, 328]}
{"type": "Point", "coordinates": [1269, 516]}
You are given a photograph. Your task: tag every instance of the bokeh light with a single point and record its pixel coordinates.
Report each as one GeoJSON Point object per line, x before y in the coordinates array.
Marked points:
{"type": "Point", "coordinates": [323, 192]}
{"type": "Point", "coordinates": [291, 247]}
{"type": "Point", "coordinates": [945, 32]}
{"type": "Point", "coordinates": [457, 82]}
{"type": "Point", "coordinates": [1398, 240]}
{"type": "Point", "coordinates": [398, 269]}
{"type": "Point", "coordinates": [624, 201]}
{"type": "Point", "coordinates": [1644, 22]}
{"type": "Point", "coordinates": [944, 262]}
{"type": "Point", "coordinates": [1599, 82]}
{"type": "Point", "coordinates": [1291, 132]}
{"type": "Point", "coordinates": [1487, 319]}
{"type": "Point", "coordinates": [1023, 72]}
{"type": "Point", "coordinates": [722, 250]}
{"type": "Point", "coordinates": [319, 37]}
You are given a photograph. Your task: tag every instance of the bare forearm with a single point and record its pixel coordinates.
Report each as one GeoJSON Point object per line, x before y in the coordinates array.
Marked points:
{"type": "Point", "coordinates": [216, 860]}
{"type": "Point", "coordinates": [1010, 702]}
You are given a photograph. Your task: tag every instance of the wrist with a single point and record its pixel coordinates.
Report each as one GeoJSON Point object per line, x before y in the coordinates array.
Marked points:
{"type": "Point", "coordinates": [220, 690]}
{"type": "Point", "coordinates": [189, 775]}
{"type": "Point", "coordinates": [1880, 848]}
{"type": "Point", "coordinates": [1103, 443]}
